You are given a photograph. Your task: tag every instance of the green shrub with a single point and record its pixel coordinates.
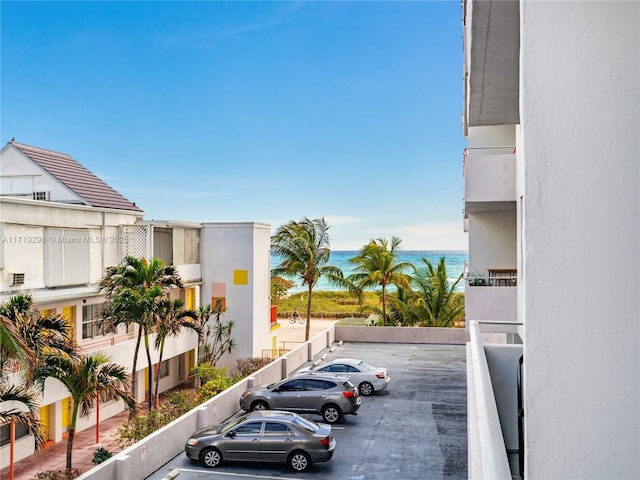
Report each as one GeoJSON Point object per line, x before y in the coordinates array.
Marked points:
{"type": "Point", "coordinates": [100, 455]}
{"type": "Point", "coordinates": [219, 382]}
{"type": "Point", "coordinates": [175, 405]}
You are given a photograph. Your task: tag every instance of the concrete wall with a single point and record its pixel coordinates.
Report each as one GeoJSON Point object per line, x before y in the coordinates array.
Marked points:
{"type": "Point", "coordinates": [146, 456]}
{"type": "Point", "coordinates": [580, 72]}
{"type": "Point", "coordinates": [456, 336]}
{"type": "Point", "coordinates": [229, 251]}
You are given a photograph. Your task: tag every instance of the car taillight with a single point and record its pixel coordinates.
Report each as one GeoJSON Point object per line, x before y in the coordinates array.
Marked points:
{"type": "Point", "coordinates": [349, 394]}
{"type": "Point", "coordinates": [326, 441]}
{"type": "Point", "coordinates": [379, 375]}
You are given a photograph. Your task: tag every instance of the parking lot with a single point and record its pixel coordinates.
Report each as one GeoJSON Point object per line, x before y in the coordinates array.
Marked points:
{"type": "Point", "coordinates": [414, 430]}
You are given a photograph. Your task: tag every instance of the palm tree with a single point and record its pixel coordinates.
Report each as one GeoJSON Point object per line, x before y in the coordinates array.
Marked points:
{"type": "Point", "coordinates": [439, 304]}
{"type": "Point", "coordinates": [133, 291]}
{"type": "Point", "coordinates": [376, 266]}
{"type": "Point", "coordinates": [15, 352]}
{"type": "Point", "coordinates": [86, 377]}
{"type": "Point", "coordinates": [43, 335]}
{"type": "Point", "coordinates": [26, 338]}
{"type": "Point", "coordinates": [171, 319]}
{"type": "Point", "coordinates": [304, 248]}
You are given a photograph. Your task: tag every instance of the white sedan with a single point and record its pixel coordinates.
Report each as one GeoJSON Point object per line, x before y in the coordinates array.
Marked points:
{"type": "Point", "coordinates": [366, 377]}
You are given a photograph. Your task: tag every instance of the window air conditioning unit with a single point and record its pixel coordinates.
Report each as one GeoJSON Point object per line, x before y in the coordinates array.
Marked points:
{"type": "Point", "coordinates": [17, 279]}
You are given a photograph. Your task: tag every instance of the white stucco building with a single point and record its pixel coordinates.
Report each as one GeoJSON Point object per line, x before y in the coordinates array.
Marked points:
{"type": "Point", "coordinates": [552, 207]}
{"type": "Point", "coordinates": [61, 226]}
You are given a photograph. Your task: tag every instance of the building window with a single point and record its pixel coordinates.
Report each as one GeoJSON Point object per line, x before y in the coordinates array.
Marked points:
{"type": "Point", "coordinates": [41, 196]}
{"type": "Point", "coordinates": [66, 256]}
{"type": "Point", "coordinates": [93, 324]}
{"type": "Point", "coordinates": [5, 432]}
{"type": "Point", "coordinates": [164, 369]}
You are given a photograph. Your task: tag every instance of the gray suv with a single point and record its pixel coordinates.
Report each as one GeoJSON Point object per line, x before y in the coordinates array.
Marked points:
{"type": "Point", "coordinates": [329, 395]}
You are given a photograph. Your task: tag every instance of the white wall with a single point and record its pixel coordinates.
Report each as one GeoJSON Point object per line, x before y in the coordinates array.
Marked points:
{"type": "Point", "coordinates": [229, 247]}
{"type": "Point", "coordinates": [580, 97]}
{"type": "Point", "coordinates": [24, 229]}
{"type": "Point", "coordinates": [492, 241]}
{"type": "Point", "coordinates": [14, 163]}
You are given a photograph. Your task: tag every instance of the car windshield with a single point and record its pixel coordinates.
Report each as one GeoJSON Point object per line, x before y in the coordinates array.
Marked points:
{"type": "Point", "coordinates": [365, 365]}
{"type": "Point", "coordinates": [234, 422]}
{"type": "Point", "coordinates": [308, 425]}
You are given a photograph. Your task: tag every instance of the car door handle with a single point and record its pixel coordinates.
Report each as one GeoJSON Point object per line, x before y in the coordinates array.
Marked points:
{"type": "Point", "coordinates": [323, 396]}
{"type": "Point", "coordinates": [298, 396]}
{"type": "Point", "coordinates": [288, 440]}
{"type": "Point", "coordinates": [255, 440]}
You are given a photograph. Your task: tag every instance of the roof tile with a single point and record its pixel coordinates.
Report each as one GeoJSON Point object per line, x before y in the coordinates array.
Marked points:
{"type": "Point", "coordinates": [77, 178]}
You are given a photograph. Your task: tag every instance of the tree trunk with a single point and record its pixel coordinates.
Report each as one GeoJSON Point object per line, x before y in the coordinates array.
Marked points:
{"type": "Point", "coordinates": [72, 431]}
{"type": "Point", "coordinates": [307, 329]}
{"type": "Point", "coordinates": [155, 396]}
{"type": "Point", "coordinates": [150, 372]}
{"type": "Point", "coordinates": [135, 364]}
{"type": "Point", "coordinates": [384, 307]}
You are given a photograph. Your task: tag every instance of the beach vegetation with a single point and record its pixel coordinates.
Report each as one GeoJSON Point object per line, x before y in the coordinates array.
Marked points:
{"type": "Point", "coordinates": [304, 249]}
{"type": "Point", "coordinates": [376, 266]}
{"type": "Point", "coordinates": [437, 302]}
{"type": "Point", "coordinates": [280, 288]}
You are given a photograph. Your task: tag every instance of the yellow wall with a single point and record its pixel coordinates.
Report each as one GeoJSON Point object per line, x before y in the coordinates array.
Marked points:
{"type": "Point", "coordinates": [66, 413]}
{"type": "Point", "coordinates": [70, 314]}
{"type": "Point", "coordinates": [45, 419]}
{"type": "Point", "coordinates": [191, 298]}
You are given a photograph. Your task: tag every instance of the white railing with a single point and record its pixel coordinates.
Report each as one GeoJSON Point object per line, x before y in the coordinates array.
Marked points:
{"type": "Point", "coordinates": [487, 453]}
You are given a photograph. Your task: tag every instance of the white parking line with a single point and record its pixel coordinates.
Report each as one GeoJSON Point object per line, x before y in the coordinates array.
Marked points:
{"type": "Point", "coordinates": [247, 475]}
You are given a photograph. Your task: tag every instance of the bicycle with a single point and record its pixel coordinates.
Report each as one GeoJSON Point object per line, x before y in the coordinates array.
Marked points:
{"type": "Point", "coordinates": [296, 318]}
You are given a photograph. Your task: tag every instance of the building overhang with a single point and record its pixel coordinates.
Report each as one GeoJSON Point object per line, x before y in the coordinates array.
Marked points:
{"type": "Point", "coordinates": [491, 59]}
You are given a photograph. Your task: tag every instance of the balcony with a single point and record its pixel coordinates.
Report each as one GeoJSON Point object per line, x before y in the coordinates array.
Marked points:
{"type": "Point", "coordinates": [176, 244]}
{"type": "Point", "coordinates": [492, 297]}
{"type": "Point", "coordinates": [489, 179]}
{"type": "Point", "coordinates": [491, 59]}
{"type": "Point", "coordinates": [494, 404]}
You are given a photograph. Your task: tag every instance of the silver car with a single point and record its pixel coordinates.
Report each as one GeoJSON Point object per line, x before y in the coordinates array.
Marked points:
{"type": "Point", "coordinates": [329, 395]}
{"type": "Point", "coordinates": [264, 436]}
{"type": "Point", "coordinates": [366, 377]}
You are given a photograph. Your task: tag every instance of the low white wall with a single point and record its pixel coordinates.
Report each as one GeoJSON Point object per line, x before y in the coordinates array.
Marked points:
{"type": "Point", "coordinates": [149, 454]}
{"type": "Point", "coordinates": [455, 336]}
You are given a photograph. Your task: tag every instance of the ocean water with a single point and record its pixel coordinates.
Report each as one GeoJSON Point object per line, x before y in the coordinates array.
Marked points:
{"type": "Point", "coordinates": [454, 260]}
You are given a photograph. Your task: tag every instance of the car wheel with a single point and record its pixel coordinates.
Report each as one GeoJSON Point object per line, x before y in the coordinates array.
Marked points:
{"type": "Point", "coordinates": [211, 457]}
{"type": "Point", "coordinates": [331, 413]}
{"type": "Point", "coordinates": [299, 461]}
{"type": "Point", "coordinates": [259, 405]}
{"type": "Point", "coordinates": [366, 389]}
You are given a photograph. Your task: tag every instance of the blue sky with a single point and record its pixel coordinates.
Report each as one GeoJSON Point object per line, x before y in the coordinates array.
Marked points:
{"type": "Point", "coordinates": [251, 111]}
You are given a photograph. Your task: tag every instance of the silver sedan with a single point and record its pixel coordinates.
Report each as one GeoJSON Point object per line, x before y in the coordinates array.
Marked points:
{"type": "Point", "coordinates": [366, 377]}
{"type": "Point", "coordinates": [266, 436]}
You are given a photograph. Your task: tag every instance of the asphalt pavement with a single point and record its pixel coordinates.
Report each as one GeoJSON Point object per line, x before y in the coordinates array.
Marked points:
{"type": "Point", "coordinates": [415, 430]}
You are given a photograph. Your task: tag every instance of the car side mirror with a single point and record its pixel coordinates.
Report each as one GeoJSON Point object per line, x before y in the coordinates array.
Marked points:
{"type": "Point", "coordinates": [231, 434]}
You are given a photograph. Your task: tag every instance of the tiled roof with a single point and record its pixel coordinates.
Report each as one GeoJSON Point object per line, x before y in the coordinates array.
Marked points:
{"type": "Point", "coordinates": [93, 191]}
